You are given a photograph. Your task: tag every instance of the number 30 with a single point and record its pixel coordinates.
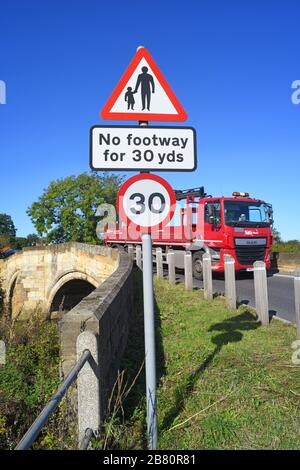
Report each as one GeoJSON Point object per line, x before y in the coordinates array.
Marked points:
{"type": "Point", "coordinates": [141, 203]}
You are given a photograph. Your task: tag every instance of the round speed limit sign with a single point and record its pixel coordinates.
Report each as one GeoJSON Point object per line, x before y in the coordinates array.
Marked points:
{"type": "Point", "coordinates": [147, 201]}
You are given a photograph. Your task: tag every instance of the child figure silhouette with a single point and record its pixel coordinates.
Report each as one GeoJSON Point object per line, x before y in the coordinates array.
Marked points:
{"type": "Point", "coordinates": [129, 98]}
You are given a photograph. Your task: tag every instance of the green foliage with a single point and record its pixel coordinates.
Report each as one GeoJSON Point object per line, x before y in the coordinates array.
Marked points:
{"type": "Point", "coordinates": [291, 246]}
{"type": "Point", "coordinates": [21, 242]}
{"type": "Point", "coordinates": [7, 226]}
{"type": "Point", "coordinates": [8, 235]}
{"type": "Point", "coordinates": [276, 235]}
{"type": "Point", "coordinates": [30, 375]}
{"type": "Point", "coordinates": [7, 230]}
{"type": "Point", "coordinates": [66, 210]}
{"type": "Point", "coordinates": [32, 239]}
{"type": "Point", "coordinates": [4, 240]}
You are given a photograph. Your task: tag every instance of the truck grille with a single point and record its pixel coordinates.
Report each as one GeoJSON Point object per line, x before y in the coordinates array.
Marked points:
{"type": "Point", "coordinates": [250, 254]}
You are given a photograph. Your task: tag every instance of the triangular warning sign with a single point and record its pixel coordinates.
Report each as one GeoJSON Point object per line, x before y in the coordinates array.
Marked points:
{"type": "Point", "coordinates": [143, 94]}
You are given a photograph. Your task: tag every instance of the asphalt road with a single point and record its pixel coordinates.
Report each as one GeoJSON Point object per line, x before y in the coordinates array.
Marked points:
{"type": "Point", "coordinates": [280, 292]}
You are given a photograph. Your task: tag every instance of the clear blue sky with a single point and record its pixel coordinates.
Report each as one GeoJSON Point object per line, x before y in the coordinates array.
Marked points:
{"type": "Point", "coordinates": [231, 64]}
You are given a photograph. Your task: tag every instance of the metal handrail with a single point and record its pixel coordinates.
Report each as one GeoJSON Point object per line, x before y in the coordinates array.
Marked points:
{"type": "Point", "coordinates": [34, 430]}
{"type": "Point", "coordinates": [89, 433]}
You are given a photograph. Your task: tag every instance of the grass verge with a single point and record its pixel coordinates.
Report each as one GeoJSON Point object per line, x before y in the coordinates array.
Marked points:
{"type": "Point", "coordinates": [225, 382]}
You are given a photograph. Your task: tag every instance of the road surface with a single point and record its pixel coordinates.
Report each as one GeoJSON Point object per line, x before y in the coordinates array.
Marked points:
{"type": "Point", "coordinates": [280, 292]}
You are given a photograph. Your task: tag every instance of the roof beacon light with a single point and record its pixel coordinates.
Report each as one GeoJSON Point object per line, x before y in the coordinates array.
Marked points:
{"type": "Point", "coordinates": [238, 194]}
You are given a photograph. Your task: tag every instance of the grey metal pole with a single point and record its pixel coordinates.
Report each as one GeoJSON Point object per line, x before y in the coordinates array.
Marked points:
{"type": "Point", "coordinates": [297, 299]}
{"type": "Point", "coordinates": [149, 330]}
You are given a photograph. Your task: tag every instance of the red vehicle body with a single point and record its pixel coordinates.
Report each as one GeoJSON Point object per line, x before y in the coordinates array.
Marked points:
{"type": "Point", "coordinates": [239, 226]}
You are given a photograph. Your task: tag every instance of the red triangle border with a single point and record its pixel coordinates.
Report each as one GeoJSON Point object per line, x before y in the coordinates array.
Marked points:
{"type": "Point", "coordinates": [106, 111]}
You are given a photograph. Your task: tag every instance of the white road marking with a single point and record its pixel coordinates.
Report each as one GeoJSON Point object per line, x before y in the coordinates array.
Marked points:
{"type": "Point", "coordinates": [283, 275]}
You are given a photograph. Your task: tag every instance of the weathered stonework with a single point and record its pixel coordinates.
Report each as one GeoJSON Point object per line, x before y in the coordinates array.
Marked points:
{"type": "Point", "coordinates": [30, 279]}
{"type": "Point", "coordinates": [104, 312]}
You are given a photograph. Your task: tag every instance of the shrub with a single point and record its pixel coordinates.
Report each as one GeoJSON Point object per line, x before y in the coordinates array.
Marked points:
{"type": "Point", "coordinates": [30, 375]}
{"type": "Point", "coordinates": [291, 246]}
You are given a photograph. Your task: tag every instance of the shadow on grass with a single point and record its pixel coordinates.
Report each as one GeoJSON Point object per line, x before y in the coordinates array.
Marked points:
{"type": "Point", "coordinates": [134, 355]}
{"type": "Point", "coordinates": [229, 331]}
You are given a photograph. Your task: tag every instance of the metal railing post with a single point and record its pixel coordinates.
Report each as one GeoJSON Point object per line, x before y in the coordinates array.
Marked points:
{"type": "Point", "coordinates": [261, 292]}
{"type": "Point", "coordinates": [138, 256]}
{"type": "Point", "coordinates": [88, 389]}
{"type": "Point", "coordinates": [171, 267]}
{"type": "Point", "coordinates": [230, 288]}
{"type": "Point", "coordinates": [188, 271]}
{"type": "Point", "coordinates": [2, 352]}
{"type": "Point", "coordinates": [130, 252]}
{"type": "Point", "coordinates": [159, 263]}
{"type": "Point", "coordinates": [297, 299]}
{"type": "Point", "coordinates": [207, 277]}
{"type": "Point", "coordinates": [89, 433]}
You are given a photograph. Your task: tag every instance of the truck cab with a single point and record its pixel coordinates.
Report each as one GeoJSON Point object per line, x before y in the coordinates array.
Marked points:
{"type": "Point", "coordinates": [239, 226]}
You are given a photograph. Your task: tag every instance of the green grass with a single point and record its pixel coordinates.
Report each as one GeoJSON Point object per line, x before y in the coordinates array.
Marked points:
{"type": "Point", "coordinates": [226, 382]}
{"type": "Point", "coordinates": [28, 380]}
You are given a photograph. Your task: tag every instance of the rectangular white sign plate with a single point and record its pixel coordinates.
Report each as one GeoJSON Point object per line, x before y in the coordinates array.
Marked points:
{"type": "Point", "coordinates": [137, 148]}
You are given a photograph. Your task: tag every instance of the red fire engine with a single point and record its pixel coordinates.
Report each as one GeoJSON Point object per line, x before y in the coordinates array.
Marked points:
{"type": "Point", "coordinates": [239, 226]}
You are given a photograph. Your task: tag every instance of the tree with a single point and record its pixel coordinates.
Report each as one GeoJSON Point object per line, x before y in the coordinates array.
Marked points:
{"type": "Point", "coordinates": [7, 229]}
{"type": "Point", "coordinates": [19, 243]}
{"type": "Point", "coordinates": [276, 235]}
{"type": "Point", "coordinates": [66, 210]}
{"type": "Point", "coordinates": [31, 240]}
{"type": "Point", "coordinates": [4, 240]}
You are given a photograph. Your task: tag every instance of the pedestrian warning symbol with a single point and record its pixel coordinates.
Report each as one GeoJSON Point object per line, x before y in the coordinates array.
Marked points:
{"type": "Point", "coordinates": [143, 94]}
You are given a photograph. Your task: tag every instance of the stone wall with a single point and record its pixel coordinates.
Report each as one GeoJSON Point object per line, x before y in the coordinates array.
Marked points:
{"type": "Point", "coordinates": [104, 312]}
{"type": "Point", "coordinates": [286, 262]}
{"type": "Point", "coordinates": [32, 277]}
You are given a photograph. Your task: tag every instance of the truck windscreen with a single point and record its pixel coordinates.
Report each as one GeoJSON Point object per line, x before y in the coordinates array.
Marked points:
{"type": "Point", "coordinates": [247, 214]}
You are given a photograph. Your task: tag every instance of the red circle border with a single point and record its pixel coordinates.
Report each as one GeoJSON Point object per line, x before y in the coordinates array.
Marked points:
{"type": "Point", "coordinates": [152, 177]}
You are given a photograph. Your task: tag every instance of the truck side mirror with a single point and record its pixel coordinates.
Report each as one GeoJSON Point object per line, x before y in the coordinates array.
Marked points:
{"type": "Point", "coordinates": [270, 214]}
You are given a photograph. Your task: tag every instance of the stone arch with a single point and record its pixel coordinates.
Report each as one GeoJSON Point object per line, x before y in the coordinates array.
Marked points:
{"type": "Point", "coordinates": [11, 284]}
{"type": "Point", "coordinates": [9, 293]}
{"type": "Point", "coordinates": [78, 278]}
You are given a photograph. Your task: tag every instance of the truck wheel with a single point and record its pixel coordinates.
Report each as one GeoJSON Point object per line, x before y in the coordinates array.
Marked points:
{"type": "Point", "coordinates": [197, 266]}
{"type": "Point", "coordinates": [116, 245]}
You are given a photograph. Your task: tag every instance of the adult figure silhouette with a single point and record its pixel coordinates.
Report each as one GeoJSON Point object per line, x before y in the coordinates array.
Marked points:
{"type": "Point", "coordinates": [146, 81]}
